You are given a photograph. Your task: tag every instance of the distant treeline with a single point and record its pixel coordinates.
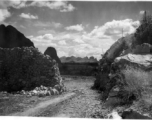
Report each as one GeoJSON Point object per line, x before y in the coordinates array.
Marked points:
{"type": "Point", "coordinates": [84, 69]}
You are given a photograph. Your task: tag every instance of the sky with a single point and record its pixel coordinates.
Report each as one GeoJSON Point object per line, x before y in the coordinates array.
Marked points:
{"type": "Point", "coordinates": [74, 28]}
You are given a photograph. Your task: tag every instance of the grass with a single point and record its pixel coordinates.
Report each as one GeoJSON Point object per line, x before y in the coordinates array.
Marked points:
{"type": "Point", "coordinates": [139, 82]}
{"type": "Point", "coordinates": [137, 79]}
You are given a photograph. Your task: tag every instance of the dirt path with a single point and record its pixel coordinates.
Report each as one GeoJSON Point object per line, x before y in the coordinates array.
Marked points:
{"type": "Point", "coordinates": [79, 101]}
{"type": "Point", "coordinates": [83, 105]}
{"type": "Point", "coordinates": [38, 108]}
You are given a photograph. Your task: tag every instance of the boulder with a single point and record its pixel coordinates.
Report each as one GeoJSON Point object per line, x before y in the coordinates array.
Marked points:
{"type": "Point", "coordinates": [53, 54]}
{"type": "Point", "coordinates": [136, 60]}
{"type": "Point", "coordinates": [10, 37]}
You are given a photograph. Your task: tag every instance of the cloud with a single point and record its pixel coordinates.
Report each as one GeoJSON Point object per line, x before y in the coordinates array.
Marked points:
{"type": "Point", "coordinates": [78, 40]}
{"type": "Point", "coordinates": [47, 38]}
{"type": "Point", "coordinates": [142, 12]}
{"type": "Point", "coordinates": [62, 6]}
{"type": "Point", "coordinates": [75, 27]}
{"type": "Point", "coordinates": [46, 31]}
{"type": "Point", "coordinates": [82, 44]}
{"type": "Point", "coordinates": [28, 16]}
{"type": "Point", "coordinates": [62, 42]}
{"type": "Point", "coordinates": [115, 29]}
{"type": "Point", "coordinates": [67, 44]}
{"type": "Point", "coordinates": [68, 8]}
{"type": "Point", "coordinates": [4, 13]}
{"type": "Point", "coordinates": [47, 24]}
{"type": "Point", "coordinates": [13, 3]}
{"type": "Point", "coordinates": [56, 25]}
{"type": "Point", "coordinates": [22, 26]}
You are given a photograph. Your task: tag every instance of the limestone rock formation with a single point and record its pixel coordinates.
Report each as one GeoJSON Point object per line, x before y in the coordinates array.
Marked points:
{"type": "Point", "coordinates": [115, 53]}
{"type": "Point", "coordinates": [141, 60]}
{"type": "Point", "coordinates": [10, 37]}
{"type": "Point", "coordinates": [118, 47]}
{"type": "Point", "coordinates": [53, 54]}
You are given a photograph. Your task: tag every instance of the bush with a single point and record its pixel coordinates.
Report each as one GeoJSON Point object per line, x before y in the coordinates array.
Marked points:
{"type": "Point", "coordinates": [136, 80]}
{"type": "Point", "coordinates": [26, 68]}
{"type": "Point", "coordinates": [143, 33]}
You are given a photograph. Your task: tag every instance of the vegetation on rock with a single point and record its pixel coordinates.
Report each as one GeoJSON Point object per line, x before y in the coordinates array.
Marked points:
{"type": "Point", "coordinates": [143, 33]}
{"type": "Point", "coordinates": [130, 80]}
{"type": "Point", "coordinates": [26, 68]}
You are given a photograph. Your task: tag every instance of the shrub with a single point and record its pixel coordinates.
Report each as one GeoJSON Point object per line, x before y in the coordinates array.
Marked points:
{"type": "Point", "coordinates": [136, 80]}
{"type": "Point", "coordinates": [26, 68]}
{"type": "Point", "coordinates": [143, 33]}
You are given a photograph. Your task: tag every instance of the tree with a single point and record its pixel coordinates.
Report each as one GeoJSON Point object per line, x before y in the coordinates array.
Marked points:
{"type": "Point", "coordinates": [143, 33]}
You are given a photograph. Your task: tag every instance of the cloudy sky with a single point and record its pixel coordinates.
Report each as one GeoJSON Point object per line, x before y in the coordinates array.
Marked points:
{"type": "Point", "coordinates": [74, 28]}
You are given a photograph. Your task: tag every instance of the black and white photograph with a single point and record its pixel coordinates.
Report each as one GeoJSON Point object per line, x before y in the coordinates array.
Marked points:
{"type": "Point", "coordinates": [87, 59]}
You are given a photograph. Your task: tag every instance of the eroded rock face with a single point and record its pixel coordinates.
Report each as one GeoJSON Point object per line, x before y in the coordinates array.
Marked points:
{"type": "Point", "coordinates": [118, 47]}
{"type": "Point", "coordinates": [103, 81]}
{"type": "Point", "coordinates": [10, 37]}
{"type": "Point", "coordinates": [130, 59]}
{"type": "Point", "coordinates": [53, 54]}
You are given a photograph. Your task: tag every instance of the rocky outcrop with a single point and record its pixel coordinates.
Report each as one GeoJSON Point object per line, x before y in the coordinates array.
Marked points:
{"type": "Point", "coordinates": [53, 54]}
{"type": "Point", "coordinates": [118, 47]}
{"type": "Point", "coordinates": [134, 60]}
{"type": "Point", "coordinates": [10, 37]}
{"type": "Point", "coordinates": [114, 59]}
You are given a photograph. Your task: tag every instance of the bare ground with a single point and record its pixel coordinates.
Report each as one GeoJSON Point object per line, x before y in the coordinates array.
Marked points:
{"type": "Point", "coordinates": [79, 101]}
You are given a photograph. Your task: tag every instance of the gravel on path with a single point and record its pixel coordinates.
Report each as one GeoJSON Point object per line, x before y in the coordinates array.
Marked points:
{"type": "Point", "coordinates": [84, 105]}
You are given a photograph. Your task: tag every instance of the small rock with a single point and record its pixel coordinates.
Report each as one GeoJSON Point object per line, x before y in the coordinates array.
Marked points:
{"type": "Point", "coordinates": [45, 92]}
{"type": "Point", "coordinates": [23, 92]}
{"type": "Point", "coordinates": [57, 87]}
{"type": "Point", "coordinates": [35, 91]}
{"type": "Point", "coordinates": [41, 94]}
{"type": "Point", "coordinates": [48, 93]}
{"type": "Point", "coordinates": [45, 88]}
{"type": "Point", "coordinates": [55, 91]}
{"type": "Point", "coordinates": [42, 87]}
{"type": "Point", "coordinates": [36, 88]}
